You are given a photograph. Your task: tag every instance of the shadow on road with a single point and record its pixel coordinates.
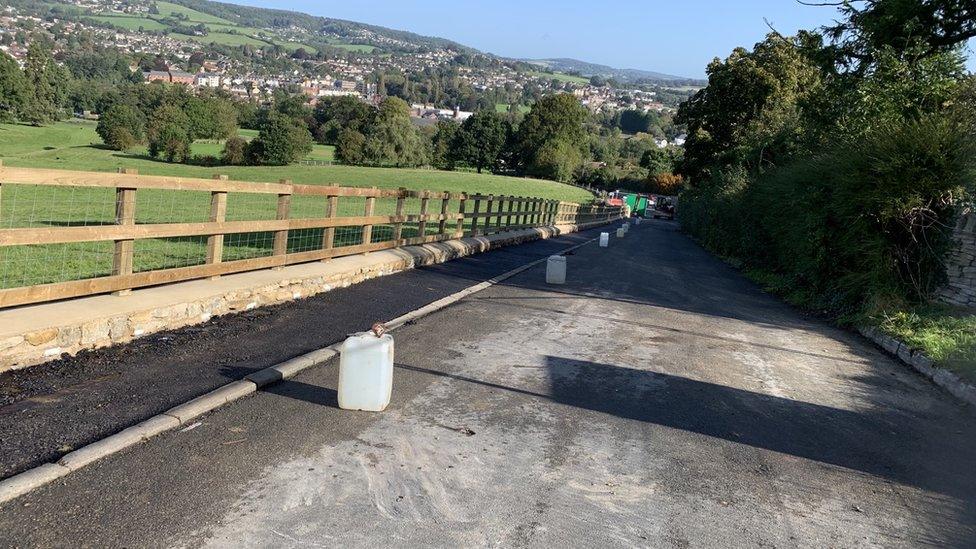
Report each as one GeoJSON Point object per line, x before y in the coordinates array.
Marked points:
{"type": "Point", "coordinates": [868, 442]}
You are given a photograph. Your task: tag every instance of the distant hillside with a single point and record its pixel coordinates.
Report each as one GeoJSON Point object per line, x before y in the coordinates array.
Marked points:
{"type": "Point", "coordinates": [249, 16]}
{"type": "Point", "coordinates": [592, 69]}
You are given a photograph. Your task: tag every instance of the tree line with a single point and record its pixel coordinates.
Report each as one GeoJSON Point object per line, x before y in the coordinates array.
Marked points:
{"type": "Point", "coordinates": [556, 139]}
{"type": "Point", "coordinates": [833, 162]}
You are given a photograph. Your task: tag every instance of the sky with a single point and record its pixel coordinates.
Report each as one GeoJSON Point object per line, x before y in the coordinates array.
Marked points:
{"type": "Point", "coordinates": [678, 37]}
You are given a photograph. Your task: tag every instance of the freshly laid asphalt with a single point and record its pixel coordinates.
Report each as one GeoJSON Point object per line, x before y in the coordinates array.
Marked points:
{"type": "Point", "coordinates": [49, 410]}
{"type": "Point", "coordinates": [658, 399]}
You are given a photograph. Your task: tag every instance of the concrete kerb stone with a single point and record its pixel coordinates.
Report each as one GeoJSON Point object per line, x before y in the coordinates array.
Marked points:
{"type": "Point", "coordinates": [32, 479]}
{"type": "Point", "coordinates": [139, 432]}
{"type": "Point", "coordinates": [917, 360]}
{"type": "Point", "coordinates": [212, 400]}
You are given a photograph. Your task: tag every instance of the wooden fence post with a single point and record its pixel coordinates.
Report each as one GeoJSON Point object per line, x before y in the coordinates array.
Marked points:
{"type": "Point", "coordinates": [491, 200]}
{"type": "Point", "coordinates": [442, 225]}
{"type": "Point", "coordinates": [459, 231]}
{"type": "Point", "coordinates": [328, 237]}
{"type": "Point", "coordinates": [508, 218]}
{"type": "Point", "coordinates": [218, 213]}
{"type": "Point", "coordinates": [125, 214]}
{"type": "Point", "coordinates": [424, 208]}
{"type": "Point", "coordinates": [398, 226]}
{"type": "Point", "coordinates": [280, 247]}
{"type": "Point", "coordinates": [498, 220]}
{"type": "Point", "coordinates": [368, 228]}
{"type": "Point", "coordinates": [474, 217]}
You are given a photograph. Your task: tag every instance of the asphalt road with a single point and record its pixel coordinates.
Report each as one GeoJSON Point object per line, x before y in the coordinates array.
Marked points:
{"type": "Point", "coordinates": [48, 410]}
{"type": "Point", "coordinates": [657, 399]}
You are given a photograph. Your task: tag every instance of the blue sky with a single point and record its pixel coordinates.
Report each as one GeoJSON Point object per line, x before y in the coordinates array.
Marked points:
{"type": "Point", "coordinates": [675, 36]}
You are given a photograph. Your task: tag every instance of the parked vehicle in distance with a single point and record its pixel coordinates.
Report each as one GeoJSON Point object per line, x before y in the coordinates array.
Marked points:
{"type": "Point", "coordinates": [664, 208]}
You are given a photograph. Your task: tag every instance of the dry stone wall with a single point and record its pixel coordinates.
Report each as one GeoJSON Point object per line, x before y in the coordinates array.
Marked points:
{"type": "Point", "coordinates": [961, 264]}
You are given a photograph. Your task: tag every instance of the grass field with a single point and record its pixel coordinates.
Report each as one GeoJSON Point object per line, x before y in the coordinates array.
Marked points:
{"type": "Point", "coordinates": [75, 146]}
{"type": "Point", "coordinates": [131, 23]}
{"type": "Point", "coordinates": [217, 26]}
{"type": "Point", "coordinates": [503, 108]}
{"type": "Point", "coordinates": [166, 8]}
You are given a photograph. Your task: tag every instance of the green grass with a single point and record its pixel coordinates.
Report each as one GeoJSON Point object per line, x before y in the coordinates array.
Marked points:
{"type": "Point", "coordinates": [75, 146]}
{"type": "Point", "coordinates": [132, 23]}
{"type": "Point", "coordinates": [562, 77]}
{"type": "Point", "coordinates": [166, 8]}
{"type": "Point", "coordinates": [226, 39]}
{"type": "Point", "coordinates": [218, 28]}
{"type": "Point", "coordinates": [503, 108]}
{"type": "Point", "coordinates": [945, 334]}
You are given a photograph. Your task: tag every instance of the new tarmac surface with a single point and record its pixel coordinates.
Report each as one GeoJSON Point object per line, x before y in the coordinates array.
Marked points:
{"type": "Point", "coordinates": [657, 399]}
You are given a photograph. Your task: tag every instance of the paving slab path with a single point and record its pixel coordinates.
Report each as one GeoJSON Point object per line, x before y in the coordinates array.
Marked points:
{"type": "Point", "coordinates": [657, 399]}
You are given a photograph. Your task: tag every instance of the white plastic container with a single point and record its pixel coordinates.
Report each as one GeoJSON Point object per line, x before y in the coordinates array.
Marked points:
{"type": "Point", "coordinates": [626, 226]}
{"type": "Point", "coordinates": [604, 240]}
{"type": "Point", "coordinates": [366, 372]}
{"type": "Point", "coordinates": [556, 270]}
{"type": "Point", "coordinates": [620, 232]}
{"type": "Point", "coordinates": [637, 221]}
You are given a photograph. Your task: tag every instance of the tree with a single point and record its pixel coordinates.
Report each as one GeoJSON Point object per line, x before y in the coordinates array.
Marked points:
{"type": "Point", "coordinates": [555, 121]}
{"type": "Point", "coordinates": [350, 147]}
{"type": "Point", "coordinates": [665, 183]}
{"type": "Point", "coordinates": [168, 134]}
{"type": "Point", "coordinates": [912, 29]}
{"type": "Point", "coordinates": [47, 83]}
{"type": "Point", "coordinates": [633, 121]}
{"type": "Point", "coordinates": [657, 161]}
{"type": "Point", "coordinates": [442, 144]}
{"type": "Point", "coordinates": [749, 114]}
{"type": "Point", "coordinates": [121, 127]}
{"type": "Point", "coordinates": [333, 115]}
{"type": "Point", "coordinates": [14, 93]}
{"type": "Point", "coordinates": [479, 140]}
{"type": "Point", "coordinates": [392, 139]}
{"type": "Point", "coordinates": [281, 141]}
{"type": "Point", "coordinates": [557, 160]}
{"type": "Point", "coordinates": [211, 118]}
{"type": "Point", "coordinates": [234, 153]}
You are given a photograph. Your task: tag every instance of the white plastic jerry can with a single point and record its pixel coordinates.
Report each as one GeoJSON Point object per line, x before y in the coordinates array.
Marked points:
{"type": "Point", "coordinates": [556, 270]}
{"type": "Point", "coordinates": [604, 240]}
{"type": "Point", "coordinates": [637, 221]}
{"type": "Point", "coordinates": [366, 371]}
{"type": "Point", "coordinates": [620, 232]}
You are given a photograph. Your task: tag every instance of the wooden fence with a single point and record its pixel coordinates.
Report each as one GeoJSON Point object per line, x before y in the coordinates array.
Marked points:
{"type": "Point", "coordinates": [440, 216]}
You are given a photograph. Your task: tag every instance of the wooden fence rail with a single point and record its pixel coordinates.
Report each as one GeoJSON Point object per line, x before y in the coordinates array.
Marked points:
{"type": "Point", "coordinates": [458, 215]}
